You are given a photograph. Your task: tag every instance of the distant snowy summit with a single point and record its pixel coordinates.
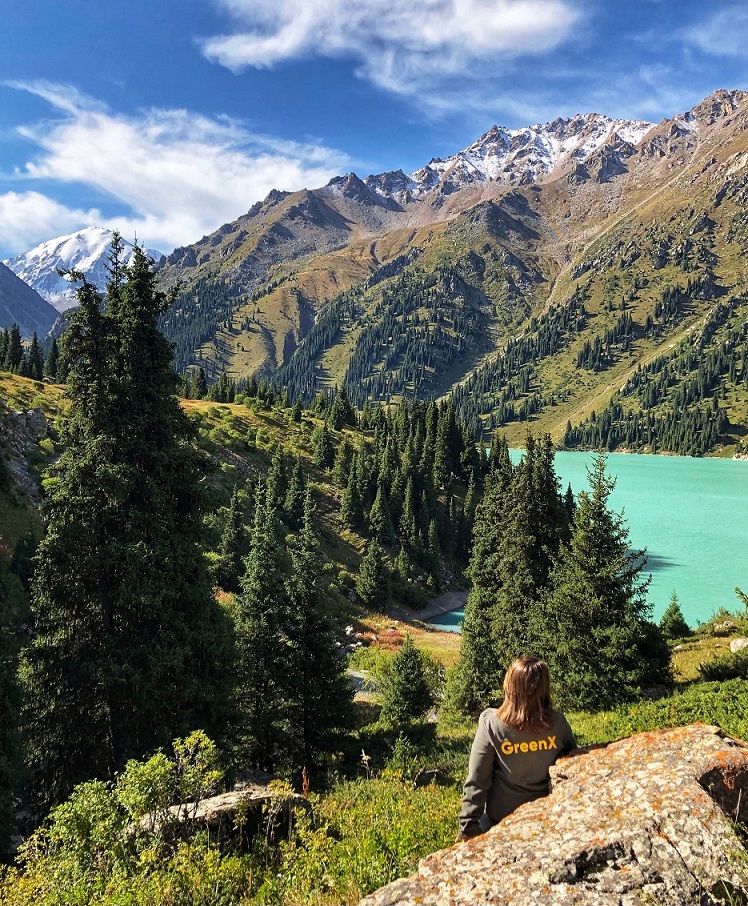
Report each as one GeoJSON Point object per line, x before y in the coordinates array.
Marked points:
{"type": "Point", "coordinates": [85, 250]}
{"type": "Point", "coordinates": [513, 156]}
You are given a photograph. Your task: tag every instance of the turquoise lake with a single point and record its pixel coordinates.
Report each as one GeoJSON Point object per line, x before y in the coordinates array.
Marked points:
{"type": "Point", "coordinates": [691, 516]}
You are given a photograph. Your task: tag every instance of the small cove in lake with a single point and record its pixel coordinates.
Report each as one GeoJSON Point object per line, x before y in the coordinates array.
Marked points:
{"type": "Point", "coordinates": [690, 514]}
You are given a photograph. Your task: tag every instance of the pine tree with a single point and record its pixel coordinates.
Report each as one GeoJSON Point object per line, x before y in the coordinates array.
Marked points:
{"type": "Point", "coordinates": [407, 695]}
{"type": "Point", "coordinates": [130, 648]}
{"type": "Point", "coordinates": [10, 748]}
{"type": "Point", "coordinates": [324, 450]}
{"type": "Point", "coordinates": [229, 568]}
{"type": "Point", "coordinates": [600, 642]}
{"type": "Point", "coordinates": [14, 356]}
{"type": "Point", "coordinates": [372, 584]}
{"type": "Point", "coordinates": [23, 556]}
{"type": "Point", "coordinates": [35, 359]}
{"type": "Point", "coordinates": [293, 505]}
{"type": "Point", "coordinates": [477, 675]}
{"type": "Point", "coordinates": [320, 694]}
{"type": "Point", "coordinates": [434, 556]}
{"type": "Point", "coordinates": [341, 412]}
{"type": "Point", "coordinates": [352, 507]}
{"type": "Point", "coordinates": [262, 622]}
{"type": "Point", "coordinates": [52, 361]}
{"type": "Point", "coordinates": [277, 481]}
{"type": "Point", "coordinates": [672, 622]}
{"type": "Point", "coordinates": [4, 344]}
{"type": "Point", "coordinates": [342, 464]}
{"type": "Point", "coordinates": [380, 520]}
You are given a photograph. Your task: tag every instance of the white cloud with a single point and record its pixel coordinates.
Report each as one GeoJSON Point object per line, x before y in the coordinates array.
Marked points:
{"type": "Point", "coordinates": [178, 174]}
{"type": "Point", "coordinates": [723, 34]}
{"type": "Point", "coordinates": [401, 45]}
{"type": "Point", "coordinates": [27, 218]}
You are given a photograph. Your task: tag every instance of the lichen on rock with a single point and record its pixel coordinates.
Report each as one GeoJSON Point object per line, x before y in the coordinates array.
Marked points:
{"type": "Point", "coordinates": [651, 819]}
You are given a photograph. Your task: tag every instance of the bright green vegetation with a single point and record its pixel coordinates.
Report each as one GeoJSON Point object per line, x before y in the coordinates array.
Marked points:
{"type": "Point", "coordinates": [197, 566]}
{"type": "Point", "coordinates": [130, 648]}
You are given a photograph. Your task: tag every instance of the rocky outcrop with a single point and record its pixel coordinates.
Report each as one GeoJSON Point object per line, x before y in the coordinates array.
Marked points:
{"type": "Point", "coordinates": [253, 805]}
{"type": "Point", "coordinates": [20, 433]}
{"type": "Point", "coordinates": [654, 818]}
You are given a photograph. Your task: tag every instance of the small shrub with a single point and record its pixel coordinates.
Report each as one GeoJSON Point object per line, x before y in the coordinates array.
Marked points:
{"type": "Point", "coordinates": [673, 624]}
{"type": "Point", "coordinates": [726, 667]}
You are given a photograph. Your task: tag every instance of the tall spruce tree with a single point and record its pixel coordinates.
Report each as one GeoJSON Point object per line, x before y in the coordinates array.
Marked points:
{"type": "Point", "coordinates": [600, 643]}
{"type": "Point", "coordinates": [229, 567]}
{"type": "Point", "coordinates": [518, 528]}
{"type": "Point", "coordinates": [10, 702]}
{"type": "Point", "coordinates": [477, 674]}
{"type": "Point", "coordinates": [373, 582]}
{"type": "Point", "coordinates": [265, 657]}
{"type": "Point", "coordinates": [320, 695]}
{"type": "Point", "coordinates": [130, 648]}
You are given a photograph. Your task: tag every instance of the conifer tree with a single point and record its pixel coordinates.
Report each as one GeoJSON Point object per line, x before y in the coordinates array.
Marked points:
{"type": "Point", "coordinates": [407, 694]}
{"type": "Point", "coordinates": [130, 648]}
{"type": "Point", "coordinates": [672, 623]}
{"type": "Point", "coordinates": [35, 359]}
{"type": "Point", "coordinates": [324, 450]}
{"type": "Point", "coordinates": [10, 702]}
{"type": "Point", "coordinates": [380, 520]}
{"type": "Point", "coordinates": [600, 642]}
{"type": "Point", "coordinates": [52, 360]}
{"type": "Point", "coordinates": [319, 694]}
{"type": "Point", "coordinates": [342, 465]}
{"type": "Point", "coordinates": [408, 523]}
{"type": "Point", "coordinates": [14, 355]}
{"type": "Point", "coordinates": [372, 584]}
{"type": "Point", "coordinates": [230, 567]}
{"type": "Point", "coordinates": [434, 556]}
{"type": "Point", "coordinates": [4, 344]}
{"type": "Point", "coordinates": [478, 672]}
{"type": "Point", "coordinates": [341, 412]}
{"type": "Point", "coordinates": [352, 507]}
{"type": "Point", "coordinates": [277, 481]}
{"type": "Point", "coordinates": [293, 506]}
{"type": "Point", "coordinates": [262, 622]}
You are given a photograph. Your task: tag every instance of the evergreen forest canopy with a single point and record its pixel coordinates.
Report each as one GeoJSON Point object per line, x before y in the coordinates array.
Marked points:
{"type": "Point", "coordinates": [138, 638]}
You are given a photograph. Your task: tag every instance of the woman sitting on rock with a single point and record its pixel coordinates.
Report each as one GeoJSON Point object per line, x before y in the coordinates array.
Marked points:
{"type": "Point", "coordinates": [513, 748]}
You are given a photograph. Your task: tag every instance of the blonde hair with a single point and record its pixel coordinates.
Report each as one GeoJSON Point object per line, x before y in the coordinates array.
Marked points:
{"type": "Point", "coordinates": [527, 695]}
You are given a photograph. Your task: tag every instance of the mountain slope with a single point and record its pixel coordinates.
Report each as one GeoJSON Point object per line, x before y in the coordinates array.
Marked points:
{"type": "Point", "coordinates": [531, 274]}
{"type": "Point", "coordinates": [85, 250]}
{"type": "Point", "coordinates": [22, 305]}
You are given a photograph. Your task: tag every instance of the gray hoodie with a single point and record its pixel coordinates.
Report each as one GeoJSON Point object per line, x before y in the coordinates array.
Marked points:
{"type": "Point", "coordinates": [508, 767]}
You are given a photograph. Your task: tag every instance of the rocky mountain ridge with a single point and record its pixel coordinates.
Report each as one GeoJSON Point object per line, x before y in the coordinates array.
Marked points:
{"type": "Point", "coordinates": [22, 305]}
{"type": "Point", "coordinates": [529, 275]}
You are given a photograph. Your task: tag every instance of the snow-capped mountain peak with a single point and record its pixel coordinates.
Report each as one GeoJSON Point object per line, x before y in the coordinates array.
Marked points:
{"type": "Point", "coordinates": [514, 156]}
{"type": "Point", "coordinates": [85, 250]}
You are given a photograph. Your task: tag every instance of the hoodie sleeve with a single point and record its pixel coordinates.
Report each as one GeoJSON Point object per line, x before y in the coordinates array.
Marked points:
{"type": "Point", "coordinates": [480, 774]}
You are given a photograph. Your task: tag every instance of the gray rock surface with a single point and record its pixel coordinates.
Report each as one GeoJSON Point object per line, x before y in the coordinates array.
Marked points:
{"type": "Point", "coordinates": [650, 819]}
{"type": "Point", "coordinates": [738, 645]}
{"type": "Point", "coordinates": [20, 433]}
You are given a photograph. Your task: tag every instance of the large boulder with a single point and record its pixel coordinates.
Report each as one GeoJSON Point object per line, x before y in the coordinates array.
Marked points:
{"type": "Point", "coordinates": [654, 818]}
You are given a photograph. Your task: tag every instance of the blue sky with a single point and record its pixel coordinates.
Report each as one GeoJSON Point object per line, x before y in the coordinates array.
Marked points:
{"type": "Point", "coordinates": [167, 118]}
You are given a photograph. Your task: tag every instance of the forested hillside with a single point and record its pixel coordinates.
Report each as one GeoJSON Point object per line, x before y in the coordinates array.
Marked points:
{"type": "Point", "coordinates": [603, 303]}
